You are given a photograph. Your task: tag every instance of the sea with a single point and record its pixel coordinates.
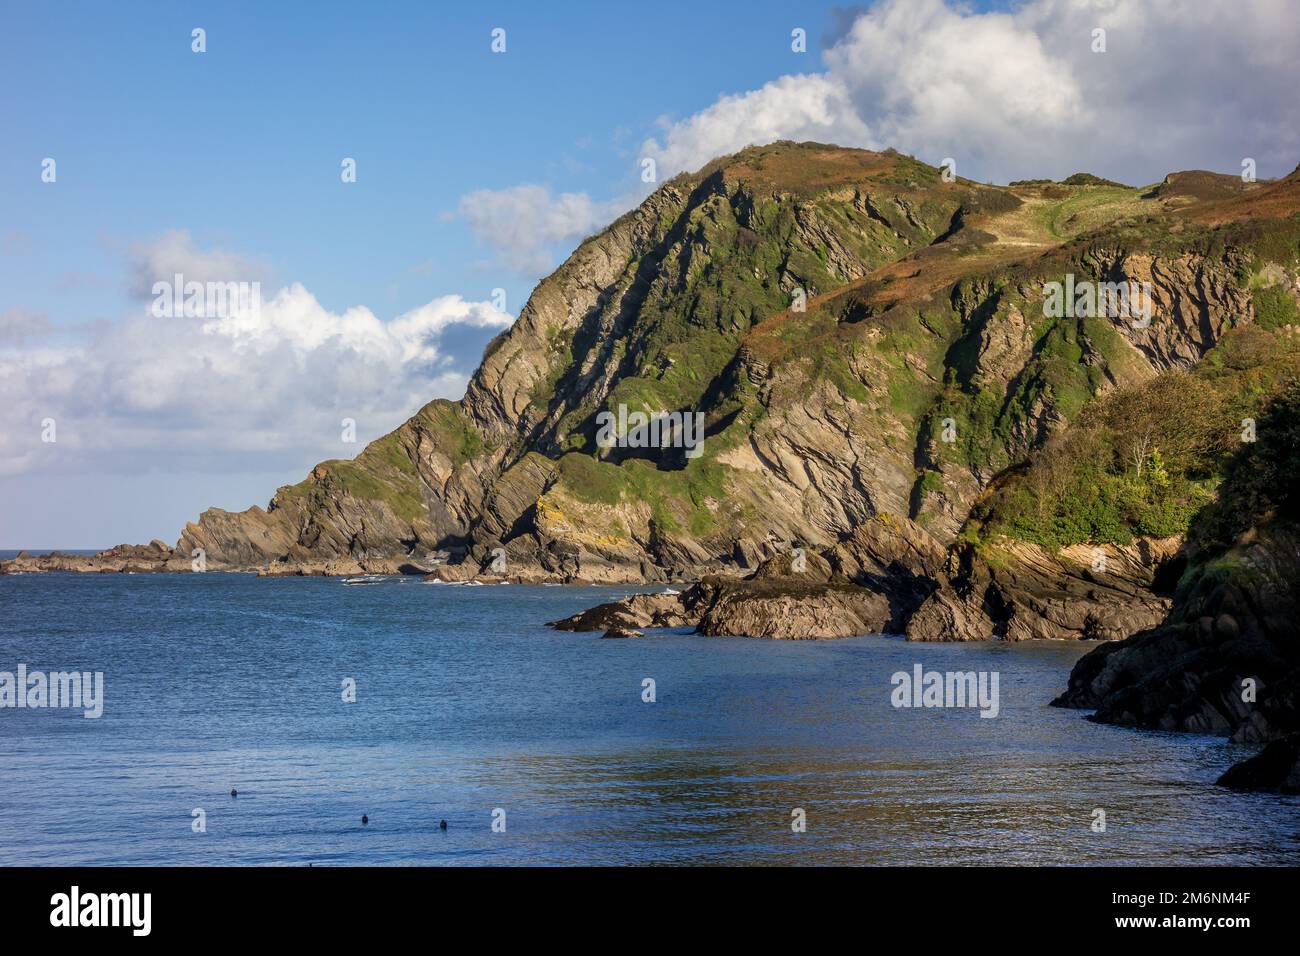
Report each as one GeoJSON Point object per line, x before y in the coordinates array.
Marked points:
{"type": "Point", "coordinates": [411, 704]}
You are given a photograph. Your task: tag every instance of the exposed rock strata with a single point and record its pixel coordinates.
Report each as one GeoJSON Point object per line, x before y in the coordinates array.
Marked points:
{"type": "Point", "coordinates": [869, 349]}
{"type": "Point", "coordinates": [125, 558]}
{"type": "Point", "coordinates": [891, 576]}
{"type": "Point", "coordinates": [1016, 591]}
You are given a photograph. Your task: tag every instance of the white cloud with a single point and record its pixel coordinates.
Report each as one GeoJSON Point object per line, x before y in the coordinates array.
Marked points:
{"type": "Point", "coordinates": [263, 388]}
{"type": "Point", "coordinates": [524, 224]}
{"type": "Point", "coordinates": [806, 107]}
{"type": "Point", "coordinates": [1182, 84]}
{"type": "Point", "coordinates": [173, 252]}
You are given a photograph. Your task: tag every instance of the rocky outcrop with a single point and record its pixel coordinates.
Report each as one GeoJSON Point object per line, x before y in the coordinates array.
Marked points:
{"type": "Point", "coordinates": [895, 558]}
{"type": "Point", "coordinates": [622, 632]}
{"type": "Point", "coordinates": [669, 609]}
{"type": "Point", "coordinates": [891, 576]}
{"type": "Point", "coordinates": [783, 608]}
{"type": "Point", "coordinates": [1225, 661]}
{"type": "Point", "coordinates": [125, 558]}
{"type": "Point", "coordinates": [818, 415]}
{"type": "Point", "coordinates": [1017, 591]}
{"type": "Point", "coordinates": [869, 350]}
{"type": "Point", "coordinates": [792, 609]}
{"type": "Point", "coordinates": [863, 585]}
{"type": "Point", "coordinates": [1276, 768]}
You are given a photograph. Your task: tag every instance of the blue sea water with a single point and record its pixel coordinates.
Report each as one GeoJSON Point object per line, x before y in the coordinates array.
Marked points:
{"type": "Point", "coordinates": [466, 703]}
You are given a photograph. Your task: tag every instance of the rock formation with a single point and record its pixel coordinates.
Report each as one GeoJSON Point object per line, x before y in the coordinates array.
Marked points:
{"type": "Point", "coordinates": [1226, 660]}
{"type": "Point", "coordinates": [884, 391]}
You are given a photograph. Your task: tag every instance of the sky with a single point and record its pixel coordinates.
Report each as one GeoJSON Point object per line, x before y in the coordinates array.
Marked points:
{"type": "Point", "coordinates": [476, 173]}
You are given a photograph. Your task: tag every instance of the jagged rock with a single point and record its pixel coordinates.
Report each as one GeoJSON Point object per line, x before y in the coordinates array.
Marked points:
{"type": "Point", "coordinates": [1227, 658]}
{"type": "Point", "coordinates": [637, 611]}
{"type": "Point", "coordinates": [894, 557]}
{"type": "Point", "coordinates": [804, 566]}
{"type": "Point", "coordinates": [827, 447]}
{"type": "Point", "coordinates": [1016, 591]}
{"type": "Point", "coordinates": [774, 607]}
{"type": "Point", "coordinates": [124, 558]}
{"type": "Point", "coordinates": [824, 425]}
{"type": "Point", "coordinates": [789, 609]}
{"type": "Point", "coordinates": [1233, 621]}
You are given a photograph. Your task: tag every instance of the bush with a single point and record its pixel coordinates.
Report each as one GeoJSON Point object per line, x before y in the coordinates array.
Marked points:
{"type": "Point", "coordinates": [1274, 307]}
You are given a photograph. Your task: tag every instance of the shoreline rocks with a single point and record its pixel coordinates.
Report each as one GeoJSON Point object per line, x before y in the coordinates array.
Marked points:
{"type": "Point", "coordinates": [156, 556]}
{"type": "Point", "coordinates": [1275, 769]}
{"type": "Point", "coordinates": [1226, 661]}
{"type": "Point", "coordinates": [1016, 591]}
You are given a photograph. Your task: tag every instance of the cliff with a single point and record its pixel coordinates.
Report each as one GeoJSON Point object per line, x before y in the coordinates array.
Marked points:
{"type": "Point", "coordinates": [862, 339]}
{"type": "Point", "coordinates": [1226, 660]}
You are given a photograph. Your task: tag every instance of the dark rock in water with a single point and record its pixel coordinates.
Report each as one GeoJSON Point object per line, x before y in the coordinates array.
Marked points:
{"type": "Point", "coordinates": [1276, 768]}
{"type": "Point", "coordinates": [124, 558]}
{"type": "Point", "coordinates": [792, 609]}
{"type": "Point", "coordinates": [892, 576]}
{"type": "Point", "coordinates": [1227, 659]}
{"type": "Point", "coordinates": [770, 606]}
{"type": "Point", "coordinates": [637, 611]}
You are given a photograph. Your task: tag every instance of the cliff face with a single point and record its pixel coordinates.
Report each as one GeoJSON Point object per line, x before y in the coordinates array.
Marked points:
{"type": "Point", "coordinates": [861, 338]}
{"type": "Point", "coordinates": [1226, 660]}
{"type": "Point", "coordinates": [924, 309]}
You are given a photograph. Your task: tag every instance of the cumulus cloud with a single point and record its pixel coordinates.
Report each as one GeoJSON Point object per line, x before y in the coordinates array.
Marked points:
{"type": "Point", "coordinates": [262, 388]}
{"type": "Point", "coordinates": [174, 252]}
{"type": "Point", "coordinates": [1182, 83]}
{"type": "Point", "coordinates": [524, 224]}
{"type": "Point", "coordinates": [1009, 95]}
{"type": "Point", "coordinates": [803, 107]}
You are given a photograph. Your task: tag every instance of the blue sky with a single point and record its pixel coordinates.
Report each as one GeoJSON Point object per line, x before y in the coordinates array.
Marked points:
{"type": "Point", "coordinates": [475, 171]}
{"type": "Point", "coordinates": [242, 145]}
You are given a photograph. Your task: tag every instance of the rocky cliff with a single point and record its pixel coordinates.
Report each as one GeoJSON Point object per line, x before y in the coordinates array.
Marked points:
{"type": "Point", "coordinates": [1226, 660]}
{"type": "Point", "coordinates": [862, 338]}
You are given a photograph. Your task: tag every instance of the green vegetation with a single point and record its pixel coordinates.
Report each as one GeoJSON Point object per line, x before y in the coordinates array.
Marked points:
{"type": "Point", "coordinates": [900, 335]}
{"type": "Point", "coordinates": [452, 433]}
{"type": "Point", "coordinates": [1260, 479]}
{"type": "Point", "coordinates": [1143, 460]}
{"type": "Point", "coordinates": [1274, 307]}
{"type": "Point", "coordinates": [1088, 179]}
{"type": "Point", "coordinates": [384, 472]}
{"type": "Point", "coordinates": [684, 500]}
